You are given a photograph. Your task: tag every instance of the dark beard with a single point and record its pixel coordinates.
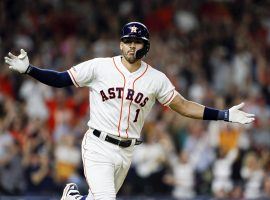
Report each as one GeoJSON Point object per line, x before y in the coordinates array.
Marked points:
{"type": "Point", "coordinates": [131, 60]}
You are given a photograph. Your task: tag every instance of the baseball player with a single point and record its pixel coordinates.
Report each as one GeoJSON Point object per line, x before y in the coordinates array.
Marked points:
{"type": "Point", "coordinates": [122, 91]}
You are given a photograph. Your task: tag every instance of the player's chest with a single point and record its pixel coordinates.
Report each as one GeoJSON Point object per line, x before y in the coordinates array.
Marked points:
{"type": "Point", "coordinates": [113, 84]}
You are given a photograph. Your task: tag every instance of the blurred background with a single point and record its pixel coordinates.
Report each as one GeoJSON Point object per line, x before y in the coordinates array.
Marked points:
{"type": "Point", "coordinates": [216, 53]}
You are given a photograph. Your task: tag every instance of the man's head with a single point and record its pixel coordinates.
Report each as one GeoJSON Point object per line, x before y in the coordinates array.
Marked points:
{"type": "Point", "coordinates": [134, 41]}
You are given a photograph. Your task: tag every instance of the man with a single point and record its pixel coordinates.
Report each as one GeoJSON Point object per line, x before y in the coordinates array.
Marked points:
{"type": "Point", "coordinates": [123, 90]}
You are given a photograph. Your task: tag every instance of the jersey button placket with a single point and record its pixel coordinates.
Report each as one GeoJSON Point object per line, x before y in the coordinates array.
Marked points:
{"type": "Point", "coordinates": [126, 103]}
{"type": "Point", "coordinates": [129, 81]}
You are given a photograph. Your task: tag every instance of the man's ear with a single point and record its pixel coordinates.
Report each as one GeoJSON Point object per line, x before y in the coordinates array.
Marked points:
{"type": "Point", "coordinates": [121, 46]}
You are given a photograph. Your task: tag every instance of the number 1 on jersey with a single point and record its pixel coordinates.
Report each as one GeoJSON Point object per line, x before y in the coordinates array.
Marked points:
{"type": "Point", "coordinates": [136, 116]}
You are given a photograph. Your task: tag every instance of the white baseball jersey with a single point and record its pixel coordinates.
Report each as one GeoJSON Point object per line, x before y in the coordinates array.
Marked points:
{"type": "Point", "coordinates": [121, 100]}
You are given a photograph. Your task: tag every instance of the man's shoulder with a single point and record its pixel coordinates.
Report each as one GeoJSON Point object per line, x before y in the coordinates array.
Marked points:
{"type": "Point", "coordinates": [101, 59]}
{"type": "Point", "coordinates": [154, 71]}
{"type": "Point", "coordinates": [98, 60]}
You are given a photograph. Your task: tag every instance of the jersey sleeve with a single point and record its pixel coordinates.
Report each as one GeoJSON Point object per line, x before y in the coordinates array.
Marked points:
{"type": "Point", "coordinates": [166, 91]}
{"type": "Point", "coordinates": [83, 73]}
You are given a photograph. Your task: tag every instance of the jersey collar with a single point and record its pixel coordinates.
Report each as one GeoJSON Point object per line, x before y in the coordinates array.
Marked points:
{"type": "Point", "coordinates": [125, 71]}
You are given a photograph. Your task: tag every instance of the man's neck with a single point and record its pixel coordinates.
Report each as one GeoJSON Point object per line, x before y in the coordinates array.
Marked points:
{"type": "Point", "coordinates": [131, 67]}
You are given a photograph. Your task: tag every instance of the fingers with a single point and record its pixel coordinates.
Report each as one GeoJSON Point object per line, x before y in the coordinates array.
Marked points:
{"type": "Point", "coordinates": [245, 121]}
{"type": "Point", "coordinates": [8, 60]}
{"type": "Point", "coordinates": [249, 120]}
{"type": "Point", "coordinates": [239, 106]}
{"type": "Point", "coordinates": [11, 55]}
{"type": "Point", "coordinates": [23, 51]}
{"type": "Point", "coordinates": [12, 68]}
{"type": "Point", "coordinates": [241, 117]}
{"type": "Point", "coordinates": [250, 115]}
{"type": "Point", "coordinates": [22, 55]}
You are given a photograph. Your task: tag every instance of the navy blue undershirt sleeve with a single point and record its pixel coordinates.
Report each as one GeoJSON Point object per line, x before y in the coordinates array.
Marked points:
{"type": "Point", "coordinates": [50, 77]}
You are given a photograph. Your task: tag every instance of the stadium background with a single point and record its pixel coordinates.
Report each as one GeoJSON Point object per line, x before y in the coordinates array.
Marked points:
{"type": "Point", "coordinates": [216, 53]}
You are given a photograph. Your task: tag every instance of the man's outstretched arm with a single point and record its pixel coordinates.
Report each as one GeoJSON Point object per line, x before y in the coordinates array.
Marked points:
{"type": "Point", "coordinates": [198, 111]}
{"type": "Point", "coordinates": [49, 77]}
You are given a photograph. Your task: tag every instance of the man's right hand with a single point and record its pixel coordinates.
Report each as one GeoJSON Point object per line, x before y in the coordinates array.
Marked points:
{"type": "Point", "coordinates": [18, 63]}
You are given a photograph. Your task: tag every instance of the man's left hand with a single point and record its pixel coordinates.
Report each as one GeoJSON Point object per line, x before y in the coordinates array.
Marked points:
{"type": "Point", "coordinates": [238, 116]}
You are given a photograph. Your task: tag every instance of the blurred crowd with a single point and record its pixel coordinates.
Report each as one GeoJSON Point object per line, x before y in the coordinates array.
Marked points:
{"type": "Point", "coordinates": [216, 53]}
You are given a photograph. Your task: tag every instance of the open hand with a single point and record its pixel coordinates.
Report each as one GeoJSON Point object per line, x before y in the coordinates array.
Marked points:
{"type": "Point", "coordinates": [236, 115]}
{"type": "Point", "coordinates": [18, 63]}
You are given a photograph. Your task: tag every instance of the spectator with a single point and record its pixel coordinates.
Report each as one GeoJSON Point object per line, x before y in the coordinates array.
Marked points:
{"type": "Point", "coordinates": [182, 178]}
{"type": "Point", "coordinates": [222, 183]}
{"type": "Point", "coordinates": [200, 153]}
{"type": "Point", "coordinates": [266, 187]}
{"type": "Point", "coordinates": [67, 158]}
{"type": "Point", "coordinates": [150, 167]}
{"type": "Point", "coordinates": [35, 101]}
{"type": "Point", "coordinates": [11, 170]}
{"type": "Point", "coordinates": [36, 160]}
{"type": "Point", "coordinates": [252, 173]}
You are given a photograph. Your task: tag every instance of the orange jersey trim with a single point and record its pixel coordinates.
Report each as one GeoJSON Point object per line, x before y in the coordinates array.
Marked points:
{"type": "Point", "coordinates": [131, 101]}
{"type": "Point", "coordinates": [169, 98]}
{"type": "Point", "coordinates": [122, 100]}
{"type": "Point", "coordinates": [72, 77]}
